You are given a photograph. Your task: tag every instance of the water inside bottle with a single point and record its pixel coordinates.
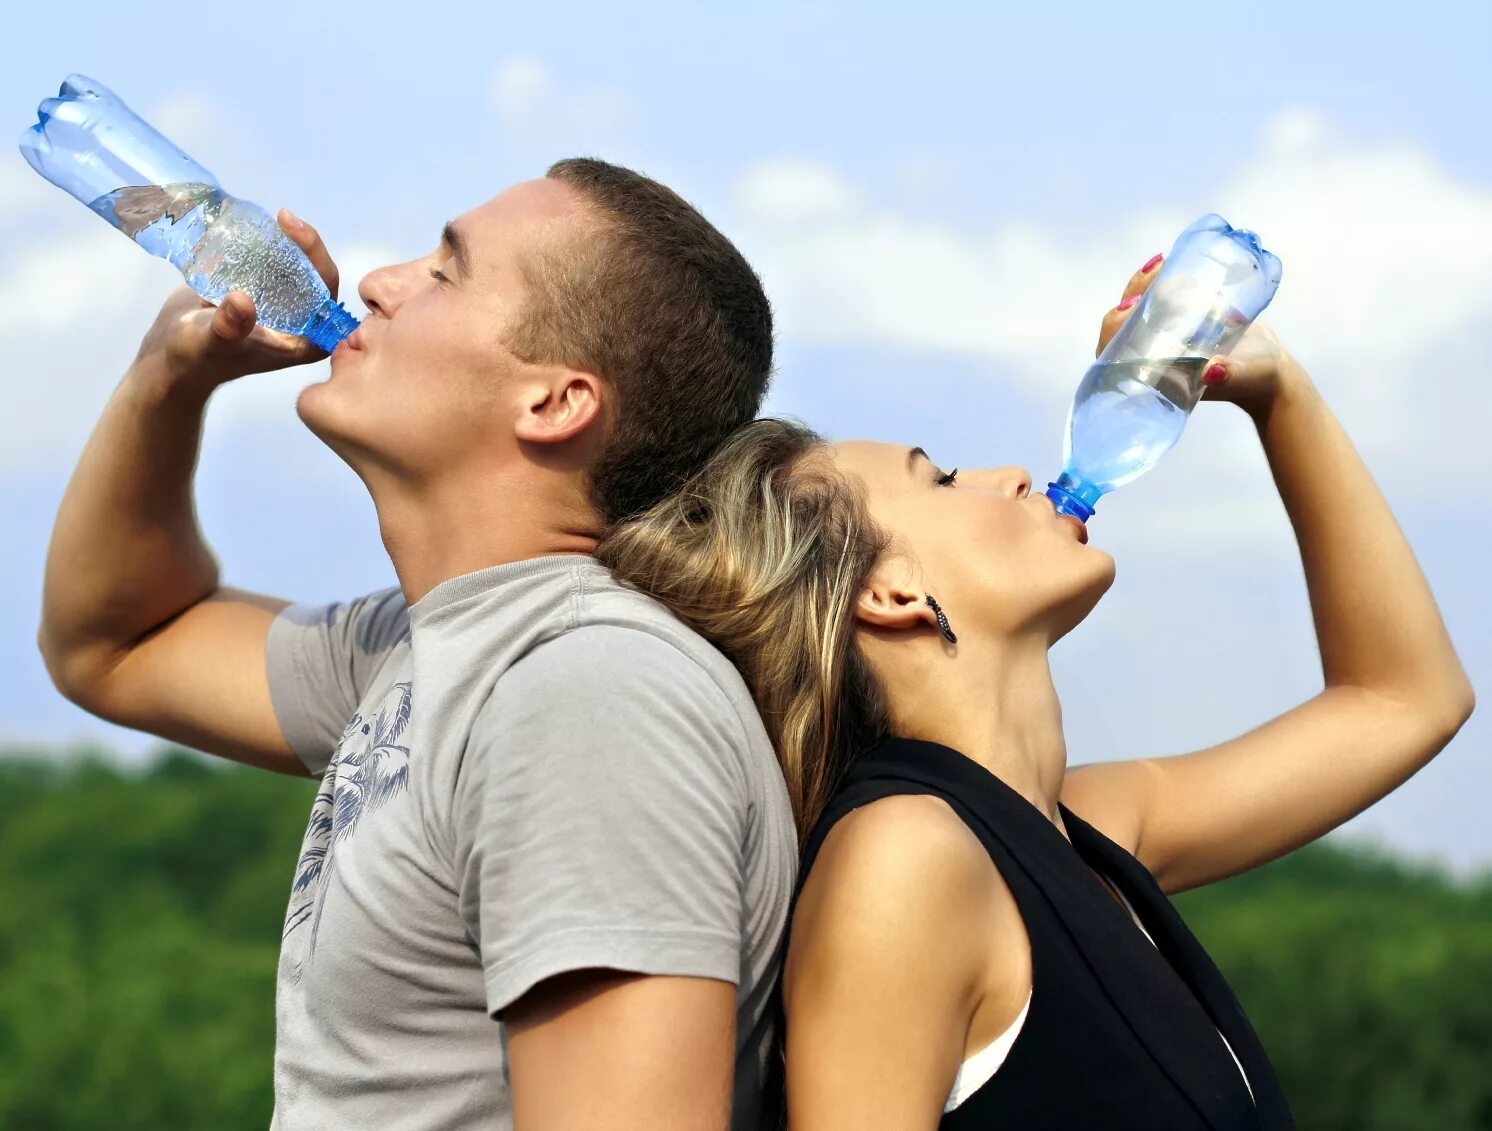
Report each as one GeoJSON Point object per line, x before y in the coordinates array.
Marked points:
{"type": "Point", "coordinates": [220, 244]}
{"type": "Point", "coordinates": [1127, 415]}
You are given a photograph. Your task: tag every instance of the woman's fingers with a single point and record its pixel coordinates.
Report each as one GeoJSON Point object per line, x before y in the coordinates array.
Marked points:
{"type": "Point", "coordinates": [1134, 290]}
{"type": "Point", "coordinates": [309, 241]}
{"type": "Point", "coordinates": [1140, 281]}
{"type": "Point", "coordinates": [1217, 371]}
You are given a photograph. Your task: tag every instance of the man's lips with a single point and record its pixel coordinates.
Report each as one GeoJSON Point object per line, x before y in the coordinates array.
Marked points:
{"type": "Point", "coordinates": [353, 341]}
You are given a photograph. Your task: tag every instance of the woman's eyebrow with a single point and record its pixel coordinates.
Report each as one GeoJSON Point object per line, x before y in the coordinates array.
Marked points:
{"type": "Point", "coordinates": [912, 457]}
{"type": "Point", "coordinates": [459, 251]}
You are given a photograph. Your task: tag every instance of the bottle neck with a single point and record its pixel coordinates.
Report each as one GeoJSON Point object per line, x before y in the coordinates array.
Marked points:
{"type": "Point", "coordinates": [330, 325]}
{"type": "Point", "coordinates": [1074, 496]}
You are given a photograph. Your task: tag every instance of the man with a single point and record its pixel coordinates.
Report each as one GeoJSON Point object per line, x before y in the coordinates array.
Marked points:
{"type": "Point", "coordinates": [544, 802]}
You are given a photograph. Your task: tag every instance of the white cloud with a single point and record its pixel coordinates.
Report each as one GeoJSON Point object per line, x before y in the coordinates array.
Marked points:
{"type": "Point", "coordinates": [1387, 257]}
{"type": "Point", "coordinates": [530, 101]}
{"type": "Point", "coordinates": [519, 84]}
{"type": "Point", "coordinates": [794, 192]}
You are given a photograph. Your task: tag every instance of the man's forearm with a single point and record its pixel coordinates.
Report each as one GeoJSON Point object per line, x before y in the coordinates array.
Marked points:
{"type": "Point", "coordinates": [126, 553]}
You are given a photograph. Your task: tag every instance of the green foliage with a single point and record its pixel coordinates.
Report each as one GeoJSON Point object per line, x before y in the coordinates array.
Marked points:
{"type": "Point", "coordinates": [139, 931]}
{"type": "Point", "coordinates": [140, 917]}
{"type": "Point", "coordinates": [1369, 982]}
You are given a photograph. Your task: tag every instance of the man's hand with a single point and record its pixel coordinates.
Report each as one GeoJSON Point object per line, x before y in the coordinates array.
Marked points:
{"type": "Point", "coordinates": [194, 342]}
{"type": "Point", "coordinates": [1251, 376]}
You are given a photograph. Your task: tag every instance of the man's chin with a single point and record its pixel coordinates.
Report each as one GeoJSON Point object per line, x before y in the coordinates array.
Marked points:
{"type": "Point", "coordinates": [320, 409]}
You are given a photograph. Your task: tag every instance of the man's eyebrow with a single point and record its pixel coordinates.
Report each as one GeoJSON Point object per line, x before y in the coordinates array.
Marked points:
{"type": "Point", "coordinates": [457, 243]}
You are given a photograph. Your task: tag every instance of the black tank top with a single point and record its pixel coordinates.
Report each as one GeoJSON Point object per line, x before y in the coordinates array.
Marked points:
{"type": "Point", "coordinates": [1120, 1034]}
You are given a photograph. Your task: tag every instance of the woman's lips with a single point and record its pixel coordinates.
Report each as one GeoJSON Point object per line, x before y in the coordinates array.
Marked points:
{"type": "Point", "coordinates": [1082, 527]}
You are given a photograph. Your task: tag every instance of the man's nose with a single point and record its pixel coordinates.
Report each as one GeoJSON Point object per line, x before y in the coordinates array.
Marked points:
{"type": "Point", "coordinates": [382, 289]}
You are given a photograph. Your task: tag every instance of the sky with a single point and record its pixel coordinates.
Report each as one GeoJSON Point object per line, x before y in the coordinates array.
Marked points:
{"type": "Point", "coordinates": [942, 201]}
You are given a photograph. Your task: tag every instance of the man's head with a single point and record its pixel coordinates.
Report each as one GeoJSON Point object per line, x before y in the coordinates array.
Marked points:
{"type": "Point", "coordinates": [589, 322]}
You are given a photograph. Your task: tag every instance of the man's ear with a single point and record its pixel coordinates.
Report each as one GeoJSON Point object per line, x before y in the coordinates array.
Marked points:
{"type": "Point", "coordinates": [892, 607]}
{"type": "Point", "coordinates": [557, 404]}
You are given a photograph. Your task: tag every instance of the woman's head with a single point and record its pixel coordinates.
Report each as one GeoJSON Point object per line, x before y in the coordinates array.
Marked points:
{"type": "Point", "coordinates": [809, 565]}
{"type": "Point", "coordinates": [997, 557]}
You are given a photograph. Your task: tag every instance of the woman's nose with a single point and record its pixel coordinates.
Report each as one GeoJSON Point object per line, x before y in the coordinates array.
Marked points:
{"type": "Point", "coordinates": [1012, 481]}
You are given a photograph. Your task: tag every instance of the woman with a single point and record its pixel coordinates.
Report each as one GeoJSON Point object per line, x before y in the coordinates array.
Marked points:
{"type": "Point", "coordinates": [983, 938]}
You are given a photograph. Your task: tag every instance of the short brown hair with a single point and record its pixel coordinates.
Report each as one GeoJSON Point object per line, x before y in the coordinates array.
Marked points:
{"type": "Point", "coordinates": [668, 313]}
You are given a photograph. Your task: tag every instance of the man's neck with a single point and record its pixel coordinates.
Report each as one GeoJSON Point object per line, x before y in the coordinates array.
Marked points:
{"type": "Point", "coordinates": [437, 531]}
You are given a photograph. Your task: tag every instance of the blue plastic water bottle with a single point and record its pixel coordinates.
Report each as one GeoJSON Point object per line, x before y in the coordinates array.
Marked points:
{"type": "Point", "coordinates": [1133, 403]}
{"type": "Point", "coordinates": [90, 143]}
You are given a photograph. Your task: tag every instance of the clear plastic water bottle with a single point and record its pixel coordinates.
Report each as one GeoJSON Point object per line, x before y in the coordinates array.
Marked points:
{"type": "Point", "coordinates": [90, 143]}
{"type": "Point", "coordinates": [1133, 403]}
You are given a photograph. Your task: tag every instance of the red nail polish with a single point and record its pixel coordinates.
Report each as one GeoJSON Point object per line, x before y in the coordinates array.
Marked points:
{"type": "Point", "coordinates": [1127, 303]}
{"type": "Point", "coordinates": [1214, 374]}
{"type": "Point", "coordinates": [1150, 266]}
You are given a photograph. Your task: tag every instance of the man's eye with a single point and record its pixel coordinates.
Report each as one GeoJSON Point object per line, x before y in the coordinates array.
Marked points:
{"type": "Point", "coordinates": [436, 273]}
{"type": "Point", "coordinates": [947, 479]}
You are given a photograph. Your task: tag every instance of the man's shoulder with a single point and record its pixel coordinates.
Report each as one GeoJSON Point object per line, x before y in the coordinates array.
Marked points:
{"type": "Point", "coordinates": [625, 618]}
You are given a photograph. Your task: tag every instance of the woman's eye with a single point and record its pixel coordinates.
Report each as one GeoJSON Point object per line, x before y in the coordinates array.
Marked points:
{"type": "Point", "coordinates": [946, 480]}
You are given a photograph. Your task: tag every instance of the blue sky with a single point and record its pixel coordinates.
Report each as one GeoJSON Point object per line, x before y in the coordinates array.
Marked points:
{"type": "Point", "coordinates": [942, 201]}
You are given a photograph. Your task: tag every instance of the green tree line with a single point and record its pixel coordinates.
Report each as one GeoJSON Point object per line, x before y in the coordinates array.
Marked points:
{"type": "Point", "coordinates": [140, 916]}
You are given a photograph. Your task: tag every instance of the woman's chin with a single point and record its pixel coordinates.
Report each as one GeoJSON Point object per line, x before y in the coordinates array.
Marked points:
{"type": "Point", "coordinates": [1072, 612]}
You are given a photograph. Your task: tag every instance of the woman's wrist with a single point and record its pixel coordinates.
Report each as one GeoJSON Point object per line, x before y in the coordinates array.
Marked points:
{"type": "Point", "coordinates": [1292, 387]}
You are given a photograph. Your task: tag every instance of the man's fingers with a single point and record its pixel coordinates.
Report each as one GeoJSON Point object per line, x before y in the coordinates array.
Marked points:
{"type": "Point", "coordinates": [235, 317]}
{"type": "Point", "coordinates": [309, 241]}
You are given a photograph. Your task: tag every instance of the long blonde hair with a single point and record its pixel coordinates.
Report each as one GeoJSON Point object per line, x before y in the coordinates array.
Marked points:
{"type": "Point", "coordinates": [764, 552]}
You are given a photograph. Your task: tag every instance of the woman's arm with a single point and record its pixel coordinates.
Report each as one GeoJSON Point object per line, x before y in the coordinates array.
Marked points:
{"type": "Point", "coordinates": [891, 941]}
{"type": "Point", "coordinates": [1395, 692]}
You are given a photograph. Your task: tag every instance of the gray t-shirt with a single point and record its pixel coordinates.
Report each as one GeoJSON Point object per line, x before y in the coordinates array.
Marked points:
{"type": "Point", "coordinates": [531, 770]}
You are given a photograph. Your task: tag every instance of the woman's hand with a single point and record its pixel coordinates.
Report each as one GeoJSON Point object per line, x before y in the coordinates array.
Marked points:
{"type": "Point", "coordinates": [1251, 376]}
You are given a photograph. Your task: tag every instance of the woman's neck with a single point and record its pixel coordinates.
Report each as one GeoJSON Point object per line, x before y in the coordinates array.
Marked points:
{"type": "Point", "coordinates": [993, 703]}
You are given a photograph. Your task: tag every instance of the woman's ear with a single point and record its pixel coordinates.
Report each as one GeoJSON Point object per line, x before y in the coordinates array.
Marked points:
{"type": "Point", "coordinates": [557, 404]}
{"type": "Point", "coordinates": [892, 607]}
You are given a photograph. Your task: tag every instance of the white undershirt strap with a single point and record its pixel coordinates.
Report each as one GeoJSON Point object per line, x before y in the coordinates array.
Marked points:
{"type": "Point", "coordinates": [981, 1067]}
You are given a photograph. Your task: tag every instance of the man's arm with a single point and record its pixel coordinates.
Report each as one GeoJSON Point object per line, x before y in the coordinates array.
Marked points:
{"type": "Point", "coordinates": [136, 627]}
{"type": "Point", "coordinates": [602, 1049]}
{"type": "Point", "coordinates": [600, 830]}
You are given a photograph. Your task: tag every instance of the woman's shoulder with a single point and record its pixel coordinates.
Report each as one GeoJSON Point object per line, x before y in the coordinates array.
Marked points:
{"type": "Point", "coordinates": [898, 881]}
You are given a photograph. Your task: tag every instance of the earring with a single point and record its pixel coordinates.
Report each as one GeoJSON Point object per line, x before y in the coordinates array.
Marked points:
{"type": "Point", "coordinates": [942, 620]}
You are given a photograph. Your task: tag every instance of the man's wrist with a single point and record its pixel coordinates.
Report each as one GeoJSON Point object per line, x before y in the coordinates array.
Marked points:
{"type": "Point", "coordinates": [154, 381]}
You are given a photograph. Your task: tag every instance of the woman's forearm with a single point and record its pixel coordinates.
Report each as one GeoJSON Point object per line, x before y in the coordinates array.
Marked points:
{"type": "Point", "coordinates": [1376, 620]}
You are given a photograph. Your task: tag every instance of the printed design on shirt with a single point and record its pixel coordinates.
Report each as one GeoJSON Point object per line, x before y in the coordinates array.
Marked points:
{"type": "Point", "coordinates": [369, 768]}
